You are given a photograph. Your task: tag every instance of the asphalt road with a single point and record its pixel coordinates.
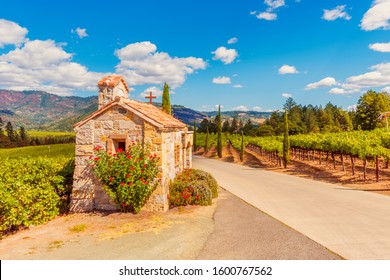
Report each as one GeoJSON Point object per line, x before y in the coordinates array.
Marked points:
{"type": "Point", "coordinates": [354, 224]}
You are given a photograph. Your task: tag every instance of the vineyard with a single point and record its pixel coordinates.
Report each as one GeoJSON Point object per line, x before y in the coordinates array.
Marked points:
{"type": "Point", "coordinates": [35, 184]}
{"type": "Point", "coordinates": [372, 148]}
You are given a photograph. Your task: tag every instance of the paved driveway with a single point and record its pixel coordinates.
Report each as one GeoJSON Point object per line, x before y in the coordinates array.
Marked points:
{"type": "Point", "coordinates": [353, 224]}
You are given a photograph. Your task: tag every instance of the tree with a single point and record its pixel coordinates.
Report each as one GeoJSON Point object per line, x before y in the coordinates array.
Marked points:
{"type": "Point", "coordinates": [242, 147]}
{"type": "Point", "coordinates": [265, 130]}
{"type": "Point", "coordinates": [206, 142]}
{"type": "Point", "coordinates": [248, 127]}
{"type": "Point", "coordinates": [234, 126]}
{"type": "Point", "coordinates": [195, 146]}
{"type": "Point", "coordinates": [219, 139]}
{"type": "Point", "coordinates": [369, 108]}
{"type": "Point", "coordinates": [1, 126]}
{"type": "Point", "coordinates": [226, 126]}
{"type": "Point", "coordinates": [286, 142]}
{"type": "Point", "coordinates": [23, 136]}
{"type": "Point", "coordinates": [166, 102]}
{"type": "Point", "coordinates": [204, 124]}
{"type": "Point", "coordinates": [10, 132]}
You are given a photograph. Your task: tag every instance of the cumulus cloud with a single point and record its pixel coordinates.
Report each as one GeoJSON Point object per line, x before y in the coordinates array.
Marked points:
{"type": "Point", "coordinates": [81, 32]}
{"type": "Point", "coordinates": [338, 12]}
{"type": "Point", "coordinates": [287, 69]}
{"type": "Point", "coordinates": [274, 4]}
{"type": "Point", "coordinates": [377, 16]}
{"type": "Point", "coordinates": [326, 82]}
{"type": "Point", "coordinates": [238, 86]}
{"type": "Point", "coordinates": [241, 108]}
{"type": "Point", "coordinates": [140, 63]}
{"type": "Point", "coordinates": [257, 108]}
{"type": "Point", "coordinates": [223, 80]}
{"type": "Point", "coordinates": [155, 92]}
{"type": "Point", "coordinates": [339, 91]}
{"type": "Point", "coordinates": [225, 55]}
{"type": "Point", "coordinates": [267, 16]}
{"type": "Point", "coordinates": [232, 40]}
{"type": "Point", "coordinates": [380, 47]}
{"type": "Point", "coordinates": [286, 95]}
{"type": "Point", "coordinates": [11, 33]}
{"type": "Point", "coordinates": [378, 77]}
{"type": "Point", "coordinates": [44, 65]}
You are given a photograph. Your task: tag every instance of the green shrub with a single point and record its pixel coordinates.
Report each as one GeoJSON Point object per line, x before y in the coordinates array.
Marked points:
{"type": "Point", "coordinates": [192, 187]}
{"type": "Point", "coordinates": [128, 177]}
{"type": "Point", "coordinates": [31, 190]}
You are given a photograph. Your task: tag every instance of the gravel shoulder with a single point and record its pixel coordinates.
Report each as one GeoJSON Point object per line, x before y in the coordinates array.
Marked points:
{"type": "Point", "coordinates": [229, 229]}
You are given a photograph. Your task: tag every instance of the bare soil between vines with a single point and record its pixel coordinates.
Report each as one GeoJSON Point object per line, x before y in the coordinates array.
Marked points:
{"type": "Point", "coordinates": [312, 169]}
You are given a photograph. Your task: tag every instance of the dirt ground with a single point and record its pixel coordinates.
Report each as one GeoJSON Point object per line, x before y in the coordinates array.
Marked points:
{"type": "Point", "coordinates": [312, 169]}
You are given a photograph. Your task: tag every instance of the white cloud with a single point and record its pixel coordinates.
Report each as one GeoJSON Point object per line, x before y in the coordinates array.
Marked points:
{"type": "Point", "coordinates": [379, 77]}
{"type": "Point", "coordinates": [287, 69]}
{"type": "Point", "coordinates": [386, 89]}
{"type": "Point", "coordinates": [225, 55]}
{"type": "Point", "coordinates": [81, 32]}
{"type": "Point", "coordinates": [232, 40]}
{"type": "Point", "coordinates": [339, 91]}
{"type": "Point", "coordinates": [241, 108]}
{"type": "Point", "coordinates": [274, 4]}
{"type": "Point", "coordinates": [267, 16]}
{"type": "Point", "coordinates": [11, 33]}
{"type": "Point", "coordinates": [45, 65]}
{"type": "Point", "coordinates": [352, 108]}
{"type": "Point", "coordinates": [380, 47]}
{"type": "Point", "coordinates": [336, 13]}
{"type": "Point", "coordinates": [326, 82]}
{"type": "Point", "coordinates": [253, 13]}
{"type": "Point", "coordinates": [257, 108]}
{"type": "Point", "coordinates": [286, 95]}
{"type": "Point", "coordinates": [377, 16]}
{"type": "Point", "coordinates": [140, 63]}
{"type": "Point", "coordinates": [238, 86]}
{"type": "Point", "coordinates": [222, 80]}
{"type": "Point", "coordinates": [155, 92]}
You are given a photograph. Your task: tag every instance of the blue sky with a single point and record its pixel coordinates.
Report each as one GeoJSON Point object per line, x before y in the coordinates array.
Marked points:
{"type": "Point", "coordinates": [242, 54]}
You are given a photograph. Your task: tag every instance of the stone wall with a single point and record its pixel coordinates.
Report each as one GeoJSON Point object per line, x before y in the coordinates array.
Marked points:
{"type": "Point", "coordinates": [118, 124]}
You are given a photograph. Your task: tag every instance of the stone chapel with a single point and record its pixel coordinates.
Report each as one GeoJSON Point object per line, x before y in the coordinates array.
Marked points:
{"type": "Point", "coordinates": [118, 121]}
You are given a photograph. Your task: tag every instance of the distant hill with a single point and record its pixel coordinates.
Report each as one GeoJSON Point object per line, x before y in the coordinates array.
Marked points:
{"type": "Point", "coordinates": [44, 111]}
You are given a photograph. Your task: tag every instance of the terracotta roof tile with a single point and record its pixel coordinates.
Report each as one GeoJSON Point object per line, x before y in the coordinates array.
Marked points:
{"type": "Point", "coordinates": [112, 81]}
{"type": "Point", "coordinates": [154, 113]}
{"type": "Point", "coordinates": [145, 110]}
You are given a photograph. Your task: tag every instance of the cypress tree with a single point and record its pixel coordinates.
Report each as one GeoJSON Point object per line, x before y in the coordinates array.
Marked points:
{"type": "Point", "coordinates": [195, 145]}
{"type": "Point", "coordinates": [166, 102]}
{"type": "Point", "coordinates": [286, 142]}
{"type": "Point", "coordinates": [219, 139]}
{"type": "Point", "coordinates": [242, 147]}
{"type": "Point", "coordinates": [206, 142]}
{"type": "Point", "coordinates": [10, 132]}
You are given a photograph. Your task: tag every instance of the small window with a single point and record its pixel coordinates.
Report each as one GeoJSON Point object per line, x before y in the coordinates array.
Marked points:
{"type": "Point", "coordinates": [177, 154]}
{"type": "Point", "coordinates": [122, 146]}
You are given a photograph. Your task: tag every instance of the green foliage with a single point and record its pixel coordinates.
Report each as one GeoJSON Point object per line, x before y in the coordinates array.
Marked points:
{"type": "Point", "coordinates": [286, 142]}
{"type": "Point", "coordinates": [33, 190]}
{"type": "Point", "coordinates": [128, 177]}
{"type": "Point", "coordinates": [193, 187]}
{"type": "Point", "coordinates": [51, 151]}
{"type": "Point", "coordinates": [369, 107]}
{"type": "Point", "coordinates": [206, 144]}
{"type": "Point", "coordinates": [166, 102]}
{"type": "Point", "coordinates": [242, 147]}
{"type": "Point", "coordinates": [195, 143]}
{"type": "Point", "coordinates": [219, 139]}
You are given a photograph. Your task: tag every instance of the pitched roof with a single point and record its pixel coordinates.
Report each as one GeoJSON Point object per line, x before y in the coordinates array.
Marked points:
{"type": "Point", "coordinates": [146, 111]}
{"type": "Point", "coordinates": [112, 81]}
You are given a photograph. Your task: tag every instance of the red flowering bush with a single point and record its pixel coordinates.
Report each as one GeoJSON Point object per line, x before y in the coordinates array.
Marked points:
{"type": "Point", "coordinates": [192, 187]}
{"type": "Point", "coordinates": [128, 177]}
